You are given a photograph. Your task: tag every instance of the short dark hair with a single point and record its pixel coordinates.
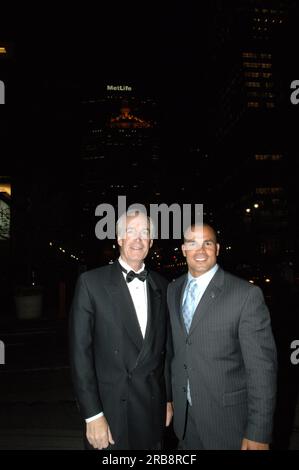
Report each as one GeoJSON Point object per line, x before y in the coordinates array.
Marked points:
{"type": "Point", "coordinates": [201, 225]}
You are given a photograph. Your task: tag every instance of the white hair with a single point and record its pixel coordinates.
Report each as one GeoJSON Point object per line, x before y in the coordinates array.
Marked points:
{"type": "Point", "coordinates": [133, 212]}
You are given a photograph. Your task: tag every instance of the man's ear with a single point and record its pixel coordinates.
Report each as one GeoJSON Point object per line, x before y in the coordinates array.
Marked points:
{"type": "Point", "coordinates": [183, 250]}
{"type": "Point", "coordinates": [120, 241]}
{"type": "Point", "coordinates": [218, 249]}
{"type": "Point", "coordinates": [151, 243]}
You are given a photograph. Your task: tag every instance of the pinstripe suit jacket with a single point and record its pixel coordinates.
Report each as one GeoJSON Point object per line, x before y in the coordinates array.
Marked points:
{"type": "Point", "coordinates": [229, 357]}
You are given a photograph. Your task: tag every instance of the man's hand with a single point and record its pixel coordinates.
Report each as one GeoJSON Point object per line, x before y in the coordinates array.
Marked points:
{"type": "Point", "coordinates": [252, 445]}
{"type": "Point", "coordinates": [169, 413]}
{"type": "Point", "coordinates": [98, 433]}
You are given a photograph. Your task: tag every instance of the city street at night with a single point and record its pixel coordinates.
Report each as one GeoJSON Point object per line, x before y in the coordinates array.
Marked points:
{"type": "Point", "coordinates": [188, 114]}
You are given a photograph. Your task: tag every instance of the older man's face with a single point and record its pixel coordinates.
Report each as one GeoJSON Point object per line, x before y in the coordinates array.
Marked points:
{"type": "Point", "coordinates": [135, 242]}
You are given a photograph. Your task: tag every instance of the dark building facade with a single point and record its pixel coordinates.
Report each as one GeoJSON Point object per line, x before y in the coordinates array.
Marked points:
{"type": "Point", "coordinates": [249, 115]}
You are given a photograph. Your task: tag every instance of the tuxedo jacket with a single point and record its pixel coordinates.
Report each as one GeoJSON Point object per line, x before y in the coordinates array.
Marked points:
{"type": "Point", "coordinates": [229, 358]}
{"type": "Point", "coordinates": [115, 369]}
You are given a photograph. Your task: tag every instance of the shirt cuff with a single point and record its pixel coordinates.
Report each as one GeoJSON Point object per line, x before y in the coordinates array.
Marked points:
{"type": "Point", "coordinates": [92, 418]}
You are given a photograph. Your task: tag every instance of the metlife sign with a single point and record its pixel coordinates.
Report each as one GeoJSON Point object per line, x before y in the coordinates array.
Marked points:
{"type": "Point", "coordinates": [2, 92]}
{"type": "Point", "coordinates": [119, 88]}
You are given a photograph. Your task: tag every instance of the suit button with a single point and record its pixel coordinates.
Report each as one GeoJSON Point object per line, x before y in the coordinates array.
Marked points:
{"type": "Point", "coordinates": [123, 399]}
{"type": "Point", "coordinates": [129, 376]}
{"type": "Point", "coordinates": [116, 351]}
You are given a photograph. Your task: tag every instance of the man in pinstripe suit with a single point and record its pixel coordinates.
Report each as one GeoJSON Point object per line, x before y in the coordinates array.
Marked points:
{"type": "Point", "coordinates": [224, 365]}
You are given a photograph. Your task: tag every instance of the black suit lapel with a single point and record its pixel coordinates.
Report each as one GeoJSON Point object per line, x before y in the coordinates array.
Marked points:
{"type": "Point", "coordinates": [124, 309]}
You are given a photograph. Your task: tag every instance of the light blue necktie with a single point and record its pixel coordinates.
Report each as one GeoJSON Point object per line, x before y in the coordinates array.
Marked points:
{"type": "Point", "coordinates": [190, 303]}
{"type": "Point", "coordinates": [188, 309]}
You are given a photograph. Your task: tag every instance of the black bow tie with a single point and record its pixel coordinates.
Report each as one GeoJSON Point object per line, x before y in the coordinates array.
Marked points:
{"type": "Point", "coordinates": [141, 276]}
{"type": "Point", "coordinates": [131, 274]}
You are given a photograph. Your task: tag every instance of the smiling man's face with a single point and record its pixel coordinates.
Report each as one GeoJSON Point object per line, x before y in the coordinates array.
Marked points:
{"type": "Point", "coordinates": [200, 249]}
{"type": "Point", "coordinates": [135, 242]}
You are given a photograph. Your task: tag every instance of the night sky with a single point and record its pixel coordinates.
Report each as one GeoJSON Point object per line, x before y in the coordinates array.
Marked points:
{"type": "Point", "coordinates": [59, 53]}
{"type": "Point", "coordinates": [166, 48]}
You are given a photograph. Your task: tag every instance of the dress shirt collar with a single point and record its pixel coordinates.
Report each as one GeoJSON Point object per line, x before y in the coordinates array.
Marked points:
{"type": "Point", "coordinates": [127, 267]}
{"type": "Point", "coordinates": [204, 279]}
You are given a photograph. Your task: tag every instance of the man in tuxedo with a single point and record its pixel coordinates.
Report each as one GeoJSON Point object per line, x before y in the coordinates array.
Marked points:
{"type": "Point", "coordinates": [120, 346]}
{"type": "Point", "coordinates": [224, 366]}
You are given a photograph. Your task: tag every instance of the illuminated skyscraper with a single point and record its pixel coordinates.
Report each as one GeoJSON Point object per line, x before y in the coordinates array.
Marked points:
{"type": "Point", "coordinates": [249, 117]}
{"type": "Point", "coordinates": [120, 150]}
{"type": "Point", "coordinates": [247, 37]}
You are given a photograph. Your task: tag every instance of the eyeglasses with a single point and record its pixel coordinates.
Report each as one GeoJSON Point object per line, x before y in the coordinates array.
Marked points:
{"type": "Point", "coordinates": [144, 234]}
{"type": "Point", "coordinates": [194, 245]}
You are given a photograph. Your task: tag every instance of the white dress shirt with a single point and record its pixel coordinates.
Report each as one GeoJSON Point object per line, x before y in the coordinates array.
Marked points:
{"type": "Point", "coordinates": [138, 291]}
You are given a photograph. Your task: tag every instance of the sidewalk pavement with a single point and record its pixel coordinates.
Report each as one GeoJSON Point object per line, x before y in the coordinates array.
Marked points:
{"type": "Point", "coordinates": [38, 411]}
{"type": "Point", "coordinates": [37, 405]}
